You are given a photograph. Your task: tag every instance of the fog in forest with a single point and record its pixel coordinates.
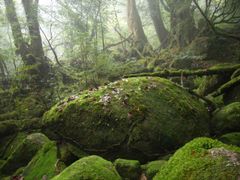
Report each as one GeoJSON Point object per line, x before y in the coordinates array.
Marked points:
{"type": "Point", "coordinates": [119, 89]}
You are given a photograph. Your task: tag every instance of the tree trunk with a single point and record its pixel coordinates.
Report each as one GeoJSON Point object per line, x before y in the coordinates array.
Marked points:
{"type": "Point", "coordinates": [31, 11]}
{"type": "Point", "coordinates": [162, 33]}
{"type": "Point", "coordinates": [31, 54]}
{"type": "Point", "coordinates": [21, 46]}
{"type": "Point", "coordinates": [182, 22]}
{"type": "Point", "coordinates": [135, 26]}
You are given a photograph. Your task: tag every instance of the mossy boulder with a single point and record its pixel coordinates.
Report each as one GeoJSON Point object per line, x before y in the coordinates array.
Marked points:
{"type": "Point", "coordinates": [227, 119]}
{"type": "Point", "coordinates": [152, 168]}
{"type": "Point", "coordinates": [91, 167]}
{"type": "Point", "coordinates": [128, 169]}
{"type": "Point", "coordinates": [233, 95]}
{"type": "Point", "coordinates": [203, 158]}
{"type": "Point", "coordinates": [45, 164]}
{"type": "Point", "coordinates": [9, 143]}
{"type": "Point", "coordinates": [68, 153]}
{"type": "Point", "coordinates": [231, 138]}
{"type": "Point", "coordinates": [135, 117]}
{"type": "Point", "coordinates": [23, 153]}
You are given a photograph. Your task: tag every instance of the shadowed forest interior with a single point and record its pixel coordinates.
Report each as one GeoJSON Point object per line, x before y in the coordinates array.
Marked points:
{"type": "Point", "coordinates": [119, 89]}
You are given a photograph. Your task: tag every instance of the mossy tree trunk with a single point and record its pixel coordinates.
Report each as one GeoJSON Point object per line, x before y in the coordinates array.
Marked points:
{"type": "Point", "coordinates": [162, 33]}
{"type": "Point", "coordinates": [20, 44]}
{"type": "Point", "coordinates": [183, 28]}
{"type": "Point", "coordinates": [135, 26]}
{"type": "Point", "coordinates": [31, 53]}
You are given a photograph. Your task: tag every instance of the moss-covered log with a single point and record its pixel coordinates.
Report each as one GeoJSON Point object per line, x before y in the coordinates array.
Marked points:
{"type": "Point", "coordinates": [227, 86]}
{"type": "Point", "coordinates": [186, 73]}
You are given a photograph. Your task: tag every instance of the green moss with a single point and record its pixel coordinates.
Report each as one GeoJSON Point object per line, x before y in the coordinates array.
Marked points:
{"type": "Point", "coordinates": [7, 128]}
{"type": "Point", "coordinates": [236, 74]}
{"type": "Point", "coordinates": [31, 106]}
{"type": "Point", "coordinates": [24, 152]}
{"type": "Point", "coordinates": [11, 127]}
{"type": "Point", "coordinates": [8, 144]}
{"type": "Point", "coordinates": [227, 119]}
{"type": "Point", "coordinates": [152, 115]}
{"type": "Point", "coordinates": [152, 168]}
{"type": "Point", "coordinates": [92, 167]}
{"type": "Point", "coordinates": [202, 158]}
{"type": "Point", "coordinates": [231, 138]}
{"type": "Point", "coordinates": [44, 164]}
{"type": "Point", "coordinates": [128, 169]}
{"type": "Point", "coordinates": [69, 153]}
{"type": "Point", "coordinates": [9, 115]}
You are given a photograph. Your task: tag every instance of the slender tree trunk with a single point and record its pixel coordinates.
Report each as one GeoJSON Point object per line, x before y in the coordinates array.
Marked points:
{"type": "Point", "coordinates": [31, 54]}
{"type": "Point", "coordinates": [182, 22]}
{"type": "Point", "coordinates": [31, 11]}
{"type": "Point", "coordinates": [21, 46]}
{"type": "Point", "coordinates": [2, 70]}
{"type": "Point", "coordinates": [162, 33]}
{"type": "Point", "coordinates": [135, 26]}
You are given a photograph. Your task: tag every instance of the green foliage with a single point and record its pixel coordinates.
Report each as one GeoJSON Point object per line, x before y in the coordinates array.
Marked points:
{"type": "Point", "coordinates": [202, 158]}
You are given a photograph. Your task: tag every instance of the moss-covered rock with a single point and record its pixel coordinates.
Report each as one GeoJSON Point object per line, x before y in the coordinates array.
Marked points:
{"type": "Point", "coordinates": [7, 102]}
{"type": "Point", "coordinates": [69, 153]}
{"type": "Point", "coordinates": [227, 119]}
{"type": "Point", "coordinates": [128, 169]}
{"type": "Point", "coordinates": [91, 167]}
{"type": "Point", "coordinates": [9, 143]}
{"type": "Point", "coordinates": [24, 152]}
{"type": "Point", "coordinates": [233, 95]}
{"type": "Point", "coordinates": [152, 168]}
{"type": "Point", "coordinates": [231, 138]}
{"type": "Point", "coordinates": [44, 164]}
{"type": "Point", "coordinates": [203, 158]}
{"type": "Point", "coordinates": [150, 115]}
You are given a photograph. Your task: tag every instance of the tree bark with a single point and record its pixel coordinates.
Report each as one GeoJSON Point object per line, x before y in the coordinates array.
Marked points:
{"type": "Point", "coordinates": [20, 44]}
{"type": "Point", "coordinates": [31, 11]}
{"type": "Point", "coordinates": [31, 54]}
{"type": "Point", "coordinates": [162, 33]}
{"type": "Point", "coordinates": [186, 73]}
{"type": "Point", "coordinates": [135, 26]}
{"type": "Point", "coordinates": [183, 28]}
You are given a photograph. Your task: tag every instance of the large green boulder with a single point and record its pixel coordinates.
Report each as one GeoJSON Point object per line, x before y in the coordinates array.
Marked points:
{"type": "Point", "coordinates": [45, 164]}
{"type": "Point", "coordinates": [133, 118]}
{"type": "Point", "coordinates": [23, 153]}
{"type": "Point", "coordinates": [203, 158]}
{"type": "Point", "coordinates": [91, 167]}
{"type": "Point", "coordinates": [227, 119]}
